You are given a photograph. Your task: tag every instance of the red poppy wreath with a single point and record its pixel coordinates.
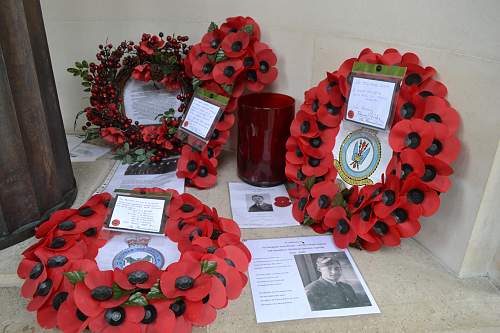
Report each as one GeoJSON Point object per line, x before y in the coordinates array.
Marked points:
{"type": "Point", "coordinates": [67, 290]}
{"type": "Point", "coordinates": [229, 60]}
{"type": "Point", "coordinates": [423, 140]}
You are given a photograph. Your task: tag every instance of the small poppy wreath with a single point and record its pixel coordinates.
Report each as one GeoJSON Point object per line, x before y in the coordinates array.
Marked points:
{"type": "Point", "coordinates": [67, 290]}
{"type": "Point", "coordinates": [152, 59]}
{"type": "Point", "coordinates": [228, 60]}
{"type": "Point", "coordinates": [424, 143]}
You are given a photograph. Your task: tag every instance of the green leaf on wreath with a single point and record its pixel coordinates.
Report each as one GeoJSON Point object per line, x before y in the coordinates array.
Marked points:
{"type": "Point", "coordinates": [308, 220]}
{"type": "Point", "coordinates": [338, 200]}
{"type": "Point", "coordinates": [136, 299]}
{"type": "Point", "coordinates": [128, 159]}
{"type": "Point", "coordinates": [248, 29]}
{"type": "Point", "coordinates": [196, 82]}
{"type": "Point", "coordinates": [86, 89]}
{"type": "Point", "coordinates": [78, 65]}
{"type": "Point", "coordinates": [212, 27]}
{"type": "Point", "coordinates": [140, 158]}
{"type": "Point", "coordinates": [75, 276]}
{"type": "Point", "coordinates": [85, 64]}
{"type": "Point", "coordinates": [139, 151]}
{"type": "Point", "coordinates": [309, 182]}
{"type": "Point", "coordinates": [228, 88]}
{"type": "Point", "coordinates": [119, 292]}
{"type": "Point", "coordinates": [208, 267]}
{"type": "Point", "coordinates": [211, 57]}
{"type": "Point", "coordinates": [220, 55]}
{"type": "Point", "coordinates": [126, 147]}
{"type": "Point", "coordinates": [155, 292]}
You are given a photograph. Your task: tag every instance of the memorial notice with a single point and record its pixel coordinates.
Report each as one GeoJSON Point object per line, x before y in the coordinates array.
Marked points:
{"type": "Point", "coordinates": [305, 277]}
{"type": "Point", "coordinates": [200, 117]}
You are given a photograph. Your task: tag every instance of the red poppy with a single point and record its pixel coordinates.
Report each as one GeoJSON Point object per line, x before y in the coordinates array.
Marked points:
{"type": "Point", "coordinates": [419, 194]}
{"type": "Point", "coordinates": [54, 220]}
{"type": "Point", "coordinates": [411, 134]}
{"type": "Point", "coordinates": [34, 273]}
{"type": "Point", "coordinates": [408, 162]}
{"type": "Point", "coordinates": [384, 232]}
{"type": "Point", "coordinates": [142, 72]}
{"type": "Point", "coordinates": [389, 198]}
{"type": "Point", "coordinates": [141, 274]}
{"type": "Point", "coordinates": [188, 163]}
{"type": "Point", "coordinates": [219, 137]}
{"type": "Point", "coordinates": [300, 204]}
{"type": "Point", "coordinates": [171, 82]}
{"type": "Point", "coordinates": [237, 23]}
{"type": "Point", "coordinates": [45, 290]}
{"type": "Point", "coordinates": [322, 193]}
{"type": "Point", "coordinates": [235, 44]}
{"type": "Point", "coordinates": [194, 53]}
{"type": "Point", "coordinates": [328, 90]}
{"type": "Point", "coordinates": [202, 68]}
{"type": "Point", "coordinates": [59, 259]}
{"type": "Point", "coordinates": [265, 62]}
{"type": "Point", "coordinates": [320, 146]}
{"type": "Point", "coordinates": [149, 45]}
{"type": "Point", "coordinates": [113, 135]}
{"type": "Point", "coordinates": [226, 122]}
{"type": "Point", "coordinates": [234, 256]}
{"type": "Point", "coordinates": [311, 101]}
{"type": "Point", "coordinates": [185, 279]}
{"type": "Point", "coordinates": [367, 55]}
{"type": "Point", "coordinates": [232, 106]}
{"type": "Point", "coordinates": [95, 293]}
{"type": "Point", "coordinates": [436, 174]}
{"type": "Point", "coordinates": [47, 314]}
{"type": "Point", "coordinates": [295, 173]}
{"type": "Point", "coordinates": [318, 167]}
{"type": "Point", "coordinates": [439, 110]}
{"type": "Point", "coordinates": [391, 57]}
{"type": "Point", "coordinates": [363, 220]}
{"type": "Point", "coordinates": [443, 146]}
{"type": "Point", "coordinates": [304, 125]}
{"type": "Point", "coordinates": [330, 115]}
{"type": "Point", "coordinates": [118, 319]}
{"type": "Point", "coordinates": [343, 234]}
{"type": "Point", "coordinates": [69, 318]}
{"type": "Point", "coordinates": [431, 87]}
{"type": "Point", "coordinates": [408, 106]}
{"type": "Point", "coordinates": [226, 72]}
{"type": "Point", "coordinates": [206, 176]}
{"type": "Point", "coordinates": [410, 58]}
{"type": "Point", "coordinates": [211, 41]}
{"type": "Point", "coordinates": [406, 218]}
{"type": "Point", "coordinates": [415, 75]}
{"type": "Point", "coordinates": [185, 206]}
{"type": "Point", "coordinates": [294, 154]}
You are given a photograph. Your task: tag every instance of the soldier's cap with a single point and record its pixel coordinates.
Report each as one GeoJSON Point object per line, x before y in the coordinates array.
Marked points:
{"type": "Point", "coordinates": [326, 261]}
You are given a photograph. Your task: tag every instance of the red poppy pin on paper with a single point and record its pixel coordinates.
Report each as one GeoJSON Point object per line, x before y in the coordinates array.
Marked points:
{"type": "Point", "coordinates": [282, 201]}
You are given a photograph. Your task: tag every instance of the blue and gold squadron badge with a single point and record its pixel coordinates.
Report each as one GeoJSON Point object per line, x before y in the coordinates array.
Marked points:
{"type": "Point", "coordinates": [138, 250]}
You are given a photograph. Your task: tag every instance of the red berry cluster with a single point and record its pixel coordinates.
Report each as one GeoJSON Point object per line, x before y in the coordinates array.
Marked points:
{"type": "Point", "coordinates": [423, 138]}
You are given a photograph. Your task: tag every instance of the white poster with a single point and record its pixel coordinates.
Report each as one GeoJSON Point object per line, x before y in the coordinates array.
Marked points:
{"type": "Point", "coordinates": [361, 154]}
{"type": "Point", "coordinates": [305, 277]}
{"type": "Point", "coordinates": [143, 101]}
{"type": "Point", "coordinates": [200, 117]}
{"type": "Point", "coordinates": [80, 151]}
{"type": "Point", "coordinates": [261, 207]}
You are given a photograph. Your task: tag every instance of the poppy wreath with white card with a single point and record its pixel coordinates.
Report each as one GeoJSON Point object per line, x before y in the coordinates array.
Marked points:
{"type": "Point", "coordinates": [67, 290]}
{"type": "Point", "coordinates": [423, 141]}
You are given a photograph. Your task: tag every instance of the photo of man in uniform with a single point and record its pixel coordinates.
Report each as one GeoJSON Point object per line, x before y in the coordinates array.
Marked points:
{"type": "Point", "coordinates": [259, 204]}
{"type": "Point", "coordinates": [328, 292]}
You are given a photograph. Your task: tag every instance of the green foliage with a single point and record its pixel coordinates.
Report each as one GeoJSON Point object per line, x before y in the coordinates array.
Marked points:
{"type": "Point", "coordinates": [155, 292]}
{"type": "Point", "coordinates": [212, 27]}
{"type": "Point", "coordinates": [75, 276]}
{"type": "Point", "coordinates": [136, 299]}
{"type": "Point", "coordinates": [308, 220]}
{"type": "Point", "coordinates": [309, 182]}
{"type": "Point", "coordinates": [118, 292]}
{"type": "Point", "coordinates": [208, 267]}
{"type": "Point", "coordinates": [248, 29]}
{"type": "Point", "coordinates": [81, 69]}
{"type": "Point", "coordinates": [228, 88]}
{"type": "Point", "coordinates": [220, 55]}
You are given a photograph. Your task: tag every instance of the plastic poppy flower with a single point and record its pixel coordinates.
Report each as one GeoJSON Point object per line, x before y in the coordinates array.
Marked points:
{"type": "Point", "coordinates": [389, 198]}
{"type": "Point", "coordinates": [409, 163]}
{"type": "Point", "coordinates": [159, 317]}
{"type": "Point", "coordinates": [304, 125]}
{"type": "Point", "coordinates": [202, 68]}
{"type": "Point", "coordinates": [328, 90]}
{"type": "Point", "coordinates": [34, 273]}
{"type": "Point", "coordinates": [118, 319]}
{"type": "Point", "coordinates": [311, 101]}
{"type": "Point", "coordinates": [69, 318]}
{"type": "Point", "coordinates": [142, 73]}
{"type": "Point", "coordinates": [406, 219]}
{"type": "Point", "coordinates": [45, 290]}
{"type": "Point", "coordinates": [390, 57]}
{"type": "Point", "coordinates": [343, 233]}
{"type": "Point", "coordinates": [416, 75]}
{"type": "Point", "coordinates": [141, 274]}
{"type": "Point", "coordinates": [47, 314]}
{"type": "Point", "coordinates": [419, 194]}
{"type": "Point", "coordinates": [436, 174]}
{"type": "Point", "coordinates": [234, 257]}
{"type": "Point", "coordinates": [443, 146]}
{"type": "Point", "coordinates": [300, 204]}
{"type": "Point", "coordinates": [149, 45]}
{"type": "Point", "coordinates": [206, 175]}
{"type": "Point", "coordinates": [226, 122]}
{"type": "Point", "coordinates": [438, 110]}
{"type": "Point", "coordinates": [411, 134]}
{"type": "Point", "coordinates": [322, 193]}
{"type": "Point", "coordinates": [431, 87]}
{"type": "Point", "coordinates": [318, 167]}
{"type": "Point", "coordinates": [185, 206]}
{"type": "Point", "coordinates": [295, 173]}
{"type": "Point", "coordinates": [219, 137]}
{"type": "Point", "coordinates": [237, 23]}
{"type": "Point", "coordinates": [331, 115]}
{"type": "Point", "coordinates": [113, 135]}
{"type": "Point", "coordinates": [265, 62]}
{"type": "Point", "coordinates": [363, 220]}
{"type": "Point", "coordinates": [53, 222]}
{"type": "Point", "coordinates": [320, 146]}
{"type": "Point", "coordinates": [188, 163]}
{"type": "Point", "coordinates": [59, 260]}
{"type": "Point", "coordinates": [294, 154]}
{"type": "Point", "coordinates": [408, 106]}
{"type": "Point", "coordinates": [383, 233]}
{"type": "Point", "coordinates": [367, 55]}
{"type": "Point", "coordinates": [211, 41]}
{"type": "Point", "coordinates": [95, 293]}
{"type": "Point", "coordinates": [226, 72]}
{"type": "Point", "coordinates": [185, 279]}
{"type": "Point", "coordinates": [235, 44]}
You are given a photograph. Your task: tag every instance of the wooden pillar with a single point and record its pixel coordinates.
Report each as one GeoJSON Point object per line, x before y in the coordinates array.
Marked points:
{"type": "Point", "coordinates": [36, 177]}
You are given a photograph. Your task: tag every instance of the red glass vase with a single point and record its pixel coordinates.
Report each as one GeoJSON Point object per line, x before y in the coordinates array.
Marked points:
{"type": "Point", "coordinates": [263, 127]}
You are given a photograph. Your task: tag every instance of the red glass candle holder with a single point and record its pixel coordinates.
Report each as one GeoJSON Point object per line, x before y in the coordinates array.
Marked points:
{"type": "Point", "coordinates": [263, 127]}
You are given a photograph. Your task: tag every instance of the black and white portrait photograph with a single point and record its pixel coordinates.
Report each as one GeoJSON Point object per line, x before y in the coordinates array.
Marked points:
{"type": "Point", "coordinates": [330, 282]}
{"type": "Point", "coordinates": [259, 202]}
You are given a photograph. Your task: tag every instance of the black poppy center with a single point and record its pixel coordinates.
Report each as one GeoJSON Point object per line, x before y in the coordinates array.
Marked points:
{"type": "Point", "coordinates": [229, 71]}
{"type": "Point", "coordinates": [388, 197]}
{"type": "Point", "coordinates": [196, 231]}
{"type": "Point", "coordinates": [181, 224]}
{"type": "Point", "coordinates": [207, 68]}
{"type": "Point", "coordinates": [150, 314]}
{"type": "Point", "coordinates": [237, 46]}
{"type": "Point", "coordinates": [215, 134]}
{"type": "Point", "coordinates": [43, 288]}
{"type": "Point", "coordinates": [400, 215]}
{"type": "Point", "coordinates": [305, 126]}
{"type": "Point", "coordinates": [191, 166]}
{"type": "Point", "coordinates": [407, 110]}
{"type": "Point", "coordinates": [412, 140]}
{"type": "Point", "coordinates": [210, 152]}
{"type": "Point", "coordinates": [252, 75]}
{"type": "Point", "coordinates": [433, 118]}
{"type": "Point", "coordinates": [59, 299]}
{"type": "Point", "coordinates": [300, 175]}
{"type": "Point", "coordinates": [178, 307]}
{"type": "Point", "coordinates": [215, 234]}
{"type": "Point", "coordinates": [426, 93]}
{"type": "Point", "coordinates": [381, 228]}
{"type": "Point", "coordinates": [248, 62]}
{"type": "Point", "coordinates": [214, 43]}
{"type": "Point", "coordinates": [359, 201]}
{"type": "Point", "coordinates": [229, 262]}
{"type": "Point", "coordinates": [66, 225]}
{"type": "Point", "coordinates": [412, 79]}
{"type": "Point", "coordinates": [263, 66]}
{"type": "Point", "coordinates": [85, 212]}
{"type": "Point", "coordinates": [203, 172]}
{"type": "Point", "coordinates": [205, 299]}
{"type": "Point", "coordinates": [302, 203]}
{"type": "Point", "coordinates": [343, 226]}
{"type": "Point", "coordinates": [57, 243]}
{"type": "Point", "coordinates": [115, 316]}
{"type": "Point", "coordinates": [416, 196]}
{"type": "Point", "coordinates": [187, 208]}
{"type": "Point", "coordinates": [102, 293]}
{"type": "Point", "coordinates": [314, 162]}
{"type": "Point", "coordinates": [315, 142]}
{"type": "Point", "coordinates": [323, 201]}
{"type": "Point", "coordinates": [220, 277]}
{"type": "Point", "coordinates": [80, 315]}
{"type": "Point", "coordinates": [298, 152]}
{"type": "Point", "coordinates": [184, 282]}
{"type": "Point", "coordinates": [333, 110]}
{"type": "Point", "coordinates": [36, 271]}
{"type": "Point", "coordinates": [138, 277]}
{"type": "Point", "coordinates": [406, 169]}
{"type": "Point", "coordinates": [429, 174]}
{"type": "Point", "coordinates": [435, 148]}
{"type": "Point", "coordinates": [315, 105]}
{"type": "Point", "coordinates": [90, 232]}
{"type": "Point", "coordinates": [211, 249]}
{"type": "Point", "coordinates": [57, 261]}
{"type": "Point", "coordinates": [366, 213]}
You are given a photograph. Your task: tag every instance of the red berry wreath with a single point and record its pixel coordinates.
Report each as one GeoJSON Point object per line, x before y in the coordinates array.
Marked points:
{"type": "Point", "coordinates": [68, 291]}
{"type": "Point", "coordinates": [228, 60]}
{"type": "Point", "coordinates": [424, 143]}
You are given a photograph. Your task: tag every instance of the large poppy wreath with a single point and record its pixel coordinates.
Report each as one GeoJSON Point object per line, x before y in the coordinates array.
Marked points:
{"type": "Point", "coordinates": [67, 290]}
{"type": "Point", "coordinates": [424, 143]}
{"type": "Point", "coordinates": [152, 59]}
{"type": "Point", "coordinates": [229, 60]}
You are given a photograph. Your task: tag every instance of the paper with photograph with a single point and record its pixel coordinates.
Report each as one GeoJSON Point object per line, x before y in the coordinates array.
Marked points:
{"type": "Point", "coordinates": [261, 207]}
{"type": "Point", "coordinates": [80, 151]}
{"type": "Point", "coordinates": [305, 277]}
{"type": "Point", "coordinates": [124, 249]}
{"type": "Point", "coordinates": [129, 176]}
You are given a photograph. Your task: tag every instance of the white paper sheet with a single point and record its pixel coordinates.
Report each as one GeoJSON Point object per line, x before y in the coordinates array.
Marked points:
{"type": "Point", "coordinates": [200, 117]}
{"type": "Point", "coordinates": [283, 269]}
{"type": "Point", "coordinates": [80, 151]}
{"type": "Point", "coordinates": [254, 207]}
{"type": "Point", "coordinates": [126, 248]}
{"type": "Point", "coordinates": [122, 179]}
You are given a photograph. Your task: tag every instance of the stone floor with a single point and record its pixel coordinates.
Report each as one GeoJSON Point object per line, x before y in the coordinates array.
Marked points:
{"type": "Point", "coordinates": [414, 292]}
